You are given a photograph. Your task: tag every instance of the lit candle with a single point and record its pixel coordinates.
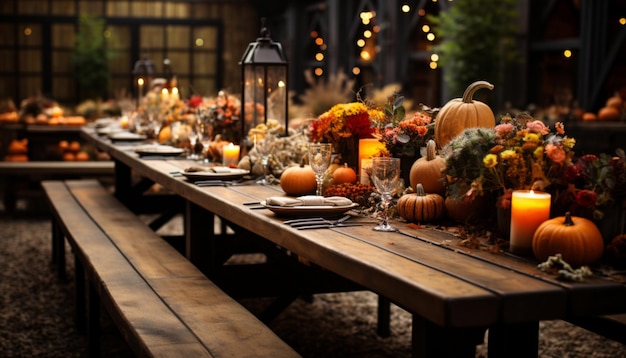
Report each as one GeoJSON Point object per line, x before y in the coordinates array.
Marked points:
{"type": "Point", "coordinates": [528, 210]}
{"type": "Point", "coordinates": [368, 148]}
{"type": "Point", "coordinates": [230, 157]}
{"type": "Point", "coordinates": [140, 83]}
{"type": "Point", "coordinates": [175, 95]}
{"type": "Point", "coordinates": [165, 95]}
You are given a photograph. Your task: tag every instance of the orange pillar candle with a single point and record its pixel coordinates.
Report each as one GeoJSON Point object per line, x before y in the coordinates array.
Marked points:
{"type": "Point", "coordinates": [368, 148]}
{"type": "Point", "coordinates": [230, 156]}
{"type": "Point", "coordinates": [528, 210]}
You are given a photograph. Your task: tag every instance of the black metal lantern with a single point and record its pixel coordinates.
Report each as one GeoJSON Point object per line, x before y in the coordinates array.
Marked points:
{"type": "Point", "coordinates": [264, 83]}
{"type": "Point", "coordinates": [143, 72]}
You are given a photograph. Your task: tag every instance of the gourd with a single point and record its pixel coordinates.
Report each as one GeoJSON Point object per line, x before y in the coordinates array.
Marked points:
{"type": "Point", "coordinates": [428, 171]}
{"type": "Point", "coordinates": [577, 239]}
{"type": "Point", "coordinates": [615, 101]}
{"type": "Point", "coordinates": [419, 206]}
{"type": "Point", "coordinates": [344, 174]}
{"type": "Point", "coordinates": [590, 117]}
{"type": "Point", "coordinates": [461, 113]}
{"type": "Point", "coordinates": [298, 180]}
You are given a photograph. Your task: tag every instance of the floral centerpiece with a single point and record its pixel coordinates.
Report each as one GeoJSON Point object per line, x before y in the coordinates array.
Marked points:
{"type": "Point", "coordinates": [343, 125]}
{"type": "Point", "coordinates": [405, 137]}
{"type": "Point", "coordinates": [222, 116]}
{"type": "Point", "coordinates": [524, 153]}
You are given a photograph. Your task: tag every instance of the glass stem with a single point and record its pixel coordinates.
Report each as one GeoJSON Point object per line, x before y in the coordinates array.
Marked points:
{"type": "Point", "coordinates": [320, 184]}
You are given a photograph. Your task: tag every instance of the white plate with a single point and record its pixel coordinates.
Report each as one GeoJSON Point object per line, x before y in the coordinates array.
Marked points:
{"type": "Point", "coordinates": [109, 130]}
{"type": "Point", "coordinates": [304, 211]}
{"type": "Point", "coordinates": [220, 173]}
{"type": "Point", "coordinates": [127, 136]}
{"type": "Point", "coordinates": [161, 150]}
{"type": "Point", "coordinates": [105, 122]}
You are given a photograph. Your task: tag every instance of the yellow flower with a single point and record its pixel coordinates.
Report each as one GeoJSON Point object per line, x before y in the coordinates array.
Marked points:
{"type": "Point", "coordinates": [569, 142]}
{"type": "Point", "coordinates": [532, 137]}
{"type": "Point", "coordinates": [490, 160]}
{"type": "Point", "coordinates": [508, 154]}
{"type": "Point", "coordinates": [538, 153]}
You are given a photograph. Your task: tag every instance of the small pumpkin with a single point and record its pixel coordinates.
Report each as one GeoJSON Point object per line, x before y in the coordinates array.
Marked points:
{"type": "Point", "coordinates": [344, 174]}
{"type": "Point", "coordinates": [590, 117]}
{"type": "Point", "coordinates": [420, 207]}
{"type": "Point", "coordinates": [298, 180]}
{"type": "Point", "coordinates": [428, 171]}
{"type": "Point", "coordinates": [608, 114]}
{"type": "Point", "coordinates": [577, 239]}
{"type": "Point", "coordinates": [461, 113]}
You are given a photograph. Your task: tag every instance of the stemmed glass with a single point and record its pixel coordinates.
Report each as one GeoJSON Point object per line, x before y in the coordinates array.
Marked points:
{"type": "Point", "coordinates": [385, 175]}
{"type": "Point", "coordinates": [263, 147]}
{"type": "Point", "coordinates": [319, 160]}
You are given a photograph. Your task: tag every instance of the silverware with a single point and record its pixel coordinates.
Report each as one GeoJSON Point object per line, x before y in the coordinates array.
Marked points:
{"type": "Point", "coordinates": [327, 226]}
{"type": "Point", "coordinates": [320, 221]}
{"type": "Point", "coordinates": [219, 182]}
{"type": "Point", "coordinates": [314, 219]}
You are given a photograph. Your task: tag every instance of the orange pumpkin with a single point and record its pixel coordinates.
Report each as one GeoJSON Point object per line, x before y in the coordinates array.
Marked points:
{"type": "Point", "coordinates": [577, 239]}
{"type": "Point", "coordinates": [344, 174]}
{"type": "Point", "coordinates": [298, 180]}
{"type": "Point", "coordinates": [608, 114]}
{"type": "Point", "coordinates": [461, 113]}
{"type": "Point", "coordinates": [428, 171]}
{"type": "Point", "coordinates": [589, 117]}
{"type": "Point", "coordinates": [420, 207]}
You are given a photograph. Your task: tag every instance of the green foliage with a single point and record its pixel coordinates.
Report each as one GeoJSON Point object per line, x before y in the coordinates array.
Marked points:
{"type": "Point", "coordinates": [91, 57]}
{"type": "Point", "coordinates": [478, 41]}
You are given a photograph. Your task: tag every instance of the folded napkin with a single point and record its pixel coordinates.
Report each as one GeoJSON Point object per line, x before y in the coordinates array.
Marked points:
{"type": "Point", "coordinates": [308, 200]}
{"type": "Point", "coordinates": [219, 170]}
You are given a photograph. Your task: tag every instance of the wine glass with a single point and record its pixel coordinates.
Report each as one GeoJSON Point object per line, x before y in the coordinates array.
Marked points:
{"type": "Point", "coordinates": [385, 175]}
{"type": "Point", "coordinates": [263, 147]}
{"type": "Point", "coordinates": [319, 160]}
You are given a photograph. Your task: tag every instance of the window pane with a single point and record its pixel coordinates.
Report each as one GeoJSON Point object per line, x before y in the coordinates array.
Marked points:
{"type": "Point", "coordinates": [63, 88]}
{"type": "Point", "coordinates": [62, 62]}
{"type": "Point", "coordinates": [7, 64]}
{"type": "Point", "coordinates": [151, 37]}
{"type": "Point", "coordinates": [7, 33]}
{"type": "Point", "coordinates": [178, 36]}
{"type": "Point", "coordinates": [120, 37]}
{"type": "Point", "coordinates": [29, 86]}
{"type": "Point", "coordinates": [204, 63]}
{"type": "Point", "coordinates": [7, 89]}
{"type": "Point", "coordinates": [146, 9]}
{"type": "Point", "coordinates": [30, 61]}
{"type": "Point", "coordinates": [32, 7]}
{"type": "Point", "coordinates": [91, 7]}
{"type": "Point", "coordinates": [180, 62]}
{"type": "Point", "coordinates": [30, 35]}
{"type": "Point", "coordinates": [63, 7]}
{"type": "Point", "coordinates": [205, 37]}
{"type": "Point", "coordinates": [121, 63]}
{"type": "Point", "coordinates": [63, 35]}
{"type": "Point", "coordinates": [204, 86]}
{"type": "Point", "coordinates": [118, 8]}
{"type": "Point", "coordinates": [177, 10]}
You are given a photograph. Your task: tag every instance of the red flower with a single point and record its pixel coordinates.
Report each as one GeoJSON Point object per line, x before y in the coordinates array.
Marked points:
{"type": "Point", "coordinates": [586, 198]}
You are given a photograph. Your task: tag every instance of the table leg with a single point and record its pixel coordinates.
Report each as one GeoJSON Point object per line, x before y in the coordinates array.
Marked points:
{"type": "Point", "coordinates": [431, 340]}
{"type": "Point", "coordinates": [123, 182]}
{"type": "Point", "coordinates": [200, 238]}
{"type": "Point", "coordinates": [514, 340]}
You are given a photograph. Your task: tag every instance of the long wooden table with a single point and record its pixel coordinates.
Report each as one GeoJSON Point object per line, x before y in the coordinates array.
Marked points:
{"type": "Point", "coordinates": [454, 293]}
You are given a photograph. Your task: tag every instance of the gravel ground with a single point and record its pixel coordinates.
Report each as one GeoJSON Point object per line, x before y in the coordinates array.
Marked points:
{"type": "Point", "coordinates": [36, 313]}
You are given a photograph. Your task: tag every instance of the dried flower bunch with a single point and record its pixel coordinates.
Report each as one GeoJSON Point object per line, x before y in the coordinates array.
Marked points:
{"type": "Point", "coordinates": [405, 136]}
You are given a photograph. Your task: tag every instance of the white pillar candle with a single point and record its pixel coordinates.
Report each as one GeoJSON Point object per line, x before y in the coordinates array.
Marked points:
{"type": "Point", "coordinates": [528, 210]}
{"type": "Point", "coordinates": [230, 156]}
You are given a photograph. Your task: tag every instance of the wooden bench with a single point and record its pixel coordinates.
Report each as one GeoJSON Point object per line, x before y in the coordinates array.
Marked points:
{"type": "Point", "coordinates": [33, 172]}
{"type": "Point", "coordinates": [610, 326]}
{"type": "Point", "coordinates": [160, 302]}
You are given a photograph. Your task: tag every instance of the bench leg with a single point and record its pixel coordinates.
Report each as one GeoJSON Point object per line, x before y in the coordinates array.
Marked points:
{"type": "Point", "coordinates": [93, 321]}
{"type": "Point", "coordinates": [58, 249]}
{"type": "Point", "coordinates": [514, 340]}
{"type": "Point", "coordinates": [79, 274]}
